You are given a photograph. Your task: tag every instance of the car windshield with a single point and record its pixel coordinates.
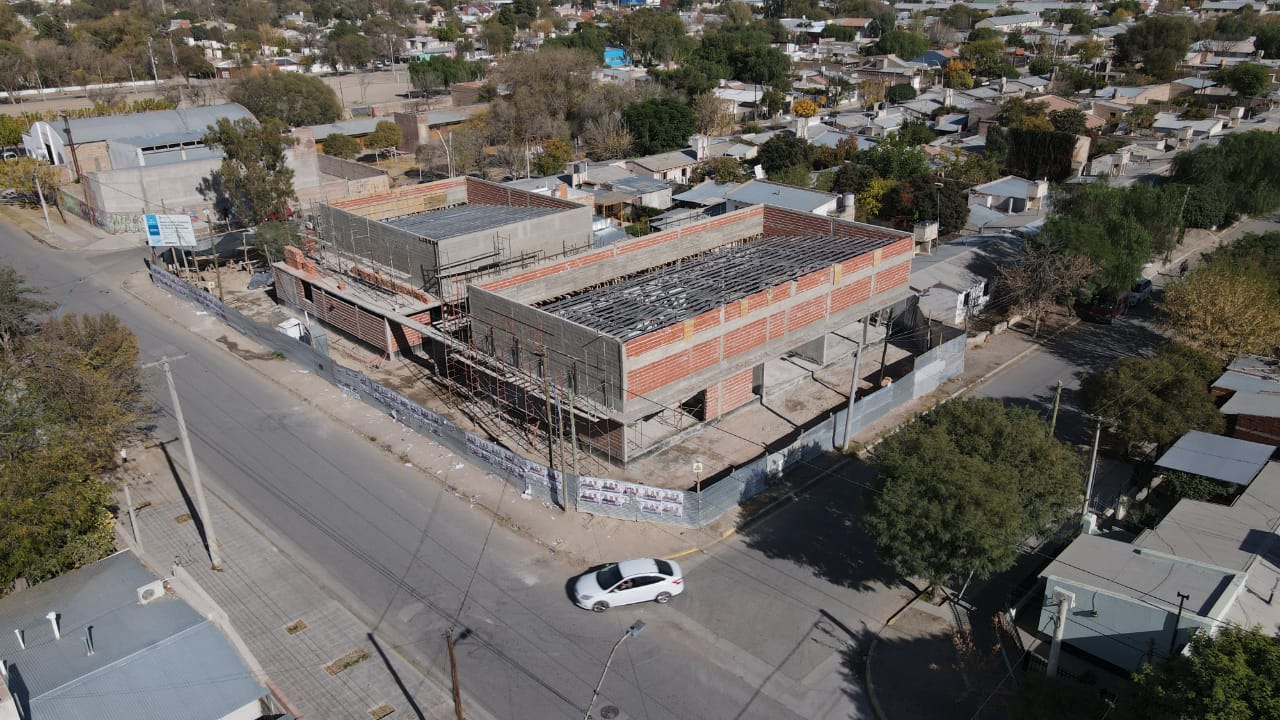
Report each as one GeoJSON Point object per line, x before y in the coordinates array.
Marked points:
{"type": "Point", "coordinates": [664, 567]}
{"type": "Point", "coordinates": [608, 577]}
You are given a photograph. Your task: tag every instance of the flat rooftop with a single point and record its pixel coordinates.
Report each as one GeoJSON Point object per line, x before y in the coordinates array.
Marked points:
{"type": "Point", "coordinates": [646, 302]}
{"type": "Point", "coordinates": [459, 220]}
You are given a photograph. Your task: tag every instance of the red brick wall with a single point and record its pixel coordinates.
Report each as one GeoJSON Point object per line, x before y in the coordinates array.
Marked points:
{"type": "Point", "coordinates": [1257, 429]}
{"type": "Point", "coordinates": [736, 390]}
{"type": "Point", "coordinates": [712, 402]}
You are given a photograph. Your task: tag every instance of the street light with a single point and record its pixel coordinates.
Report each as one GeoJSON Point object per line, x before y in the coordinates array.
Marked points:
{"type": "Point", "coordinates": [448, 153]}
{"type": "Point", "coordinates": [632, 631]}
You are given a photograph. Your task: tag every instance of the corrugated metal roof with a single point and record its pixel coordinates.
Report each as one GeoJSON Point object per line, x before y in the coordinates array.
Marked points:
{"type": "Point", "coordinates": [1217, 457]}
{"type": "Point", "coordinates": [121, 679]}
{"type": "Point", "coordinates": [1260, 405]}
{"type": "Point", "coordinates": [706, 193]}
{"type": "Point", "coordinates": [188, 122]}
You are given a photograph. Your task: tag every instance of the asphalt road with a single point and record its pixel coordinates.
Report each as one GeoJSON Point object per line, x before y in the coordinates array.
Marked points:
{"type": "Point", "coordinates": [765, 630]}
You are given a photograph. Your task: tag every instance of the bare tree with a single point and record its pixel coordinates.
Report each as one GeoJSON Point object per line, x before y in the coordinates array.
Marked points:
{"type": "Point", "coordinates": [606, 138]}
{"type": "Point", "coordinates": [712, 112]}
{"type": "Point", "coordinates": [1041, 277]}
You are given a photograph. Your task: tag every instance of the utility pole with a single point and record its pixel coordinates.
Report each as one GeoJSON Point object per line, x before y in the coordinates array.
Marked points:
{"type": "Point", "coordinates": [453, 672]}
{"type": "Point", "coordinates": [551, 439]}
{"type": "Point", "coordinates": [573, 431]}
{"type": "Point", "coordinates": [1057, 398]}
{"type": "Point", "coordinates": [1173, 641]}
{"type": "Point", "coordinates": [151, 54]}
{"type": "Point", "coordinates": [201, 505]}
{"type": "Point", "coordinates": [133, 518]}
{"type": "Point", "coordinates": [853, 384]}
{"type": "Point", "coordinates": [1093, 469]}
{"type": "Point", "coordinates": [884, 351]}
{"type": "Point", "coordinates": [1066, 600]}
{"type": "Point", "coordinates": [217, 268]}
{"type": "Point", "coordinates": [43, 208]}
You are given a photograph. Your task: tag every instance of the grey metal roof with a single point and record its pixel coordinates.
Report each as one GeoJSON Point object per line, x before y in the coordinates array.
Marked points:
{"type": "Point", "coordinates": [653, 300]}
{"type": "Point", "coordinates": [759, 192]}
{"type": "Point", "coordinates": [1217, 457]}
{"type": "Point", "coordinates": [961, 263]}
{"type": "Point", "coordinates": [1125, 570]}
{"type": "Point", "coordinates": [451, 222]}
{"type": "Point", "coordinates": [1250, 374]}
{"type": "Point", "coordinates": [161, 660]}
{"type": "Point", "coordinates": [705, 193]}
{"type": "Point", "coordinates": [1259, 405]}
{"type": "Point", "coordinates": [189, 122]}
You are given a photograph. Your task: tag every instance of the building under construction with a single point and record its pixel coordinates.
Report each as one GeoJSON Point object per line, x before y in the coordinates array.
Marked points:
{"type": "Point", "coordinates": [625, 346]}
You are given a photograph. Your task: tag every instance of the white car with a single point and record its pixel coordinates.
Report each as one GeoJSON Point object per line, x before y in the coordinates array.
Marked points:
{"type": "Point", "coordinates": [627, 582]}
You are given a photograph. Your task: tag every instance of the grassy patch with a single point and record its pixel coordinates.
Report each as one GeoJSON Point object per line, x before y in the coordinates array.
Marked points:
{"type": "Point", "coordinates": [351, 659]}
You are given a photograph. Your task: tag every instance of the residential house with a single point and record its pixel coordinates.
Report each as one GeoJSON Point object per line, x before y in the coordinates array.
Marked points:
{"type": "Point", "coordinates": [674, 166]}
{"type": "Point", "coordinates": [955, 280]}
{"type": "Point", "coordinates": [1204, 565]}
{"type": "Point", "coordinates": [1251, 387]}
{"type": "Point", "coordinates": [763, 192]}
{"type": "Point", "coordinates": [1010, 194]}
{"type": "Point", "coordinates": [110, 640]}
{"type": "Point", "coordinates": [1012, 23]}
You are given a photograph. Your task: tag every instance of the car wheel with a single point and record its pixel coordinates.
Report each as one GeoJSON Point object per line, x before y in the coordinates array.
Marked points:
{"type": "Point", "coordinates": [600, 606]}
{"type": "Point", "coordinates": [663, 598]}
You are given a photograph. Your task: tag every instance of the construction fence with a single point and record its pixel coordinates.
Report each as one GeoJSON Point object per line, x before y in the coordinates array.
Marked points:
{"type": "Point", "coordinates": [598, 496]}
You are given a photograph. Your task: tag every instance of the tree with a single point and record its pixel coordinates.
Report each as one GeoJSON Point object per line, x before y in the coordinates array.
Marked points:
{"type": "Point", "coordinates": [1233, 674]}
{"type": "Point", "coordinates": [1089, 50]}
{"type": "Point", "coordinates": [1247, 79]}
{"type": "Point", "coordinates": [1071, 121]}
{"type": "Point", "coordinates": [555, 153]}
{"type": "Point", "coordinates": [1159, 43]}
{"type": "Point", "coordinates": [660, 125]}
{"type": "Point", "coordinates": [784, 151]}
{"type": "Point", "coordinates": [713, 113]}
{"type": "Point", "coordinates": [900, 94]}
{"type": "Point", "coordinates": [960, 488]}
{"type": "Point", "coordinates": [723, 169]}
{"type": "Point", "coordinates": [1225, 308]}
{"type": "Point", "coordinates": [70, 396]}
{"type": "Point", "coordinates": [341, 145]}
{"type": "Point", "coordinates": [442, 71]}
{"type": "Point", "coordinates": [1045, 275]}
{"type": "Point", "coordinates": [270, 239]}
{"type": "Point", "coordinates": [15, 66]}
{"type": "Point", "coordinates": [606, 138]}
{"type": "Point", "coordinates": [1156, 399]}
{"type": "Point", "coordinates": [903, 43]}
{"type": "Point", "coordinates": [20, 175]}
{"type": "Point", "coordinates": [386, 134]}
{"type": "Point", "coordinates": [254, 177]}
{"type": "Point", "coordinates": [17, 307]}
{"type": "Point", "coordinates": [797, 175]}
{"type": "Point", "coordinates": [295, 99]}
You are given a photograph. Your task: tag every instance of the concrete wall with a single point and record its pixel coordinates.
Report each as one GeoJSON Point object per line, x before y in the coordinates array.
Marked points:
{"type": "Point", "coordinates": [383, 244]}
{"type": "Point", "coordinates": [541, 343]}
{"type": "Point", "coordinates": [153, 188]}
{"type": "Point", "coordinates": [626, 257]}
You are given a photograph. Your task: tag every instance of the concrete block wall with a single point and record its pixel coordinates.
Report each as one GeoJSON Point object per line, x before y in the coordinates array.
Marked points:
{"type": "Point", "coordinates": [671, 364]}
{"type": "Point", "coordinates": [626, 257]}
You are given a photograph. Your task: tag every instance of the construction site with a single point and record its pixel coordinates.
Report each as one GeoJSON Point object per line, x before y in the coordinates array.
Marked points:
{"type": "Point", "coordinates": [612, 361]}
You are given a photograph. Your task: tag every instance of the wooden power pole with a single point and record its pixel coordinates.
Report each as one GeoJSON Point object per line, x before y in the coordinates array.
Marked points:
{"type": "Point", "coordinates": [453, 672]}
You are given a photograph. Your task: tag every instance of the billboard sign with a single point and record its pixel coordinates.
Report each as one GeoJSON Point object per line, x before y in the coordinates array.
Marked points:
{"type": "Point", "coordinates": [170, 231]}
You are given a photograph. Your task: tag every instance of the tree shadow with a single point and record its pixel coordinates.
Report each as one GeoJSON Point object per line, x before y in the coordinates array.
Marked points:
{"type": "Point", "coordinates": [1093, 346]}
{"type": "Point", "coordinates": [822, 529]}
{"type": "Point", "coordinates": [213, 189]}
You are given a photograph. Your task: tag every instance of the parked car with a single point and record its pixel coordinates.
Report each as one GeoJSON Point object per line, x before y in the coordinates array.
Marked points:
{"type": "Point", "coordinates": [628, 582]}
{"type": "Point", "coordinates": [1140, 293]}
{"type": "Point", "coordinates": [1106, 308]}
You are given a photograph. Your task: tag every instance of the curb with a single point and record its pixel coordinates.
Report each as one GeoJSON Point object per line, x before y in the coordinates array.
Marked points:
{"type": "Point", "coordinates": [872, 698]}
{"type": "Point", "coordinates": [789, 496]}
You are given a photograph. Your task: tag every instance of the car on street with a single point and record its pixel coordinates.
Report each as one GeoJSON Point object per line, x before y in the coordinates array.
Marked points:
{"type": "Point", "coordinates": [628, 582]}
{"type": "Point", "coordinates": [1140, 293]}
{"type": "Point", "coordinates": [1106, 307]}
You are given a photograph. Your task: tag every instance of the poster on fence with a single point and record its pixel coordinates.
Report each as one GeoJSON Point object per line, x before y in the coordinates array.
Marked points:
{"type": "Point", "coordinates": [402, 409]}
{"type": "Point", "coordinates": [504, 461]}
{"type": "Point", "coordinates": [651, 500]}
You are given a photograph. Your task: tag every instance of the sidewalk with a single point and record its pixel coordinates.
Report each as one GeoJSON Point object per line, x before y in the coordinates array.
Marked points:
{"type": "Point", "coordinates": [258, 598]}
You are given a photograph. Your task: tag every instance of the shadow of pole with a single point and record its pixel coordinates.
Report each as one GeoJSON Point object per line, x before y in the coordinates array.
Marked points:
{"type": "Point", "coordinates": [182, 488]}
{"type": "Point", "coordinates": [413, 705]}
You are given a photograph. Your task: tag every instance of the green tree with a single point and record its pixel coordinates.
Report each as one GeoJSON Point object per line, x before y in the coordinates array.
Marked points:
{"type": "Point", "coordinates": [254, 177]}
{"type": "Point", "coordinates": [903, 43]}
{"type": "Point", "coordinates": [1156, 399]}
{"type": "Point", "coordinates": [386, 134]}
{"type": "Point", "coordinates": [900, 94]}
{"type": "Point", "coordinates": [295, 99]}
{"type": "Point", "coordinates": [784, 151]}
{"type": "Point", "coordinates": [1247, 79]}
{"type": "Point", "coordinates": [70, 396]}
{"type": "Point", "coordinates": [660, 125]}
{"type": "Point", "coordinates": [722, 170]}
{"type": "Point", "coordinates": [17, 307]}
{"type": "Point", "coordinates": [555, 153]}
{"type": "Point", "coordinates": [1225, 307]}
{"type": "Point", "coordinates": [270, 239]}
{"type": "Point", "coordinates": [1159, 43]}
{"type": "Point", "coordinates": [341, 145]}
{"type": "Point", "coordinates": [1233, 674]}
{"type": "Point", "coordinates": [961, 488]}
{"type": "Point", "coordinates": [441, 71]}
{"type": "Point", "coordinates": [1071, 121]}
{"type": "Point", "coordinates": [797, 175]}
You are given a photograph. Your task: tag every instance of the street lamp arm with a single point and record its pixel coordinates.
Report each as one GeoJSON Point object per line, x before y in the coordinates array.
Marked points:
{"type": "Point", "coordinates": [632, 631]}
